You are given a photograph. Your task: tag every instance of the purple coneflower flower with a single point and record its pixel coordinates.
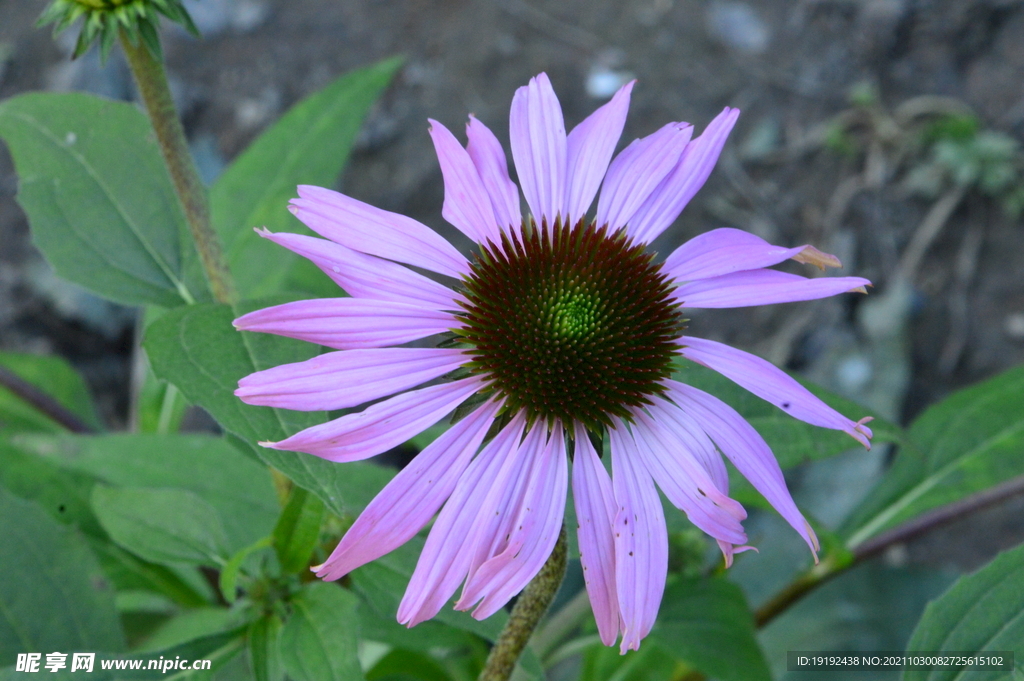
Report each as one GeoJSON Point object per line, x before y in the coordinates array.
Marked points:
{"type": "Point", "coordinates": [560, 327]}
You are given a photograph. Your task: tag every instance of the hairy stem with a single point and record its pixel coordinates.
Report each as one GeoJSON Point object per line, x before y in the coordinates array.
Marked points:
{"type": "Point", "coordinates": [819, 574]}
{"type": "Point", "coordinates": [43, 402]}
{"type": "Point", "coordinates": [151, 80]}
{"type": "Point", "coordinates": [528, 610]}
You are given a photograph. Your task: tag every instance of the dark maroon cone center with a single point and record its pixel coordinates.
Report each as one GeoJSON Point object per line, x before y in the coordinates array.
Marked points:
{"type": "Point", "coordinates": [570, 322]}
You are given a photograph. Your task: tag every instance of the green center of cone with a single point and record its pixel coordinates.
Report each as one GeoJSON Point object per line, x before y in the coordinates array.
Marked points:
{"type": "Point", "coordinates": [570, 323]}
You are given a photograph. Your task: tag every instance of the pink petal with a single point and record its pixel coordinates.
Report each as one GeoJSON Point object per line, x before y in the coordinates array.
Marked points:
{"type": "Point", "coordinates": [763, 287]}
{"type": "Point", "coordinates": [685, 482]}
{"type": "Point", "coordinates": [348, 323]}
{"type": "Point", "coordinates": [466, 202]}
{"type": "Point", "coordinates": [455, 536]}
{"type": "Point", "coordinates": [723, 251]}
{"type": "Point", "coordinates": [371, 230]}
{"type": "Point", "coordinates": [641, 540]}
{"type": "Point", "coordinates": [745, 448]}
{"type": "Point", "coordinates": [492, 166]}
{"type": "Point", "coordinates": [346, 378]}
{"type": "Point", "coordinates": [589, 149]}
{"type": "Point", "coordinates": [531, 536]}
{"type": "Point", "coordinates": [412, 497]}
{"type": "Point", "coordinates": [381, 426]}
{"type": "Point", "coordinates": [699, 445]}
{"type": "Point", "coordinates": [365, 276]}
{"type": "Point", "coordinates": [537, 134]}
{"type": "Point", "coordinates": [772, 384]}
{"type": "Point", "coordinates": [595, 513]}
{"type": "Point", "coordinates": [697, 161]}
{"type": "Point", "coordinates": [637, 171]}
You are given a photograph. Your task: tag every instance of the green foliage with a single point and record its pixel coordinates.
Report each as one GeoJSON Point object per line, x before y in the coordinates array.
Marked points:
{"type": "Point", "coordinates": [161, 525]}
{"type": "Point", "coordinates": [309, 145]}
{"type": "Point", "coordinates": [298, 529]}
{"type": "Point", "coordinates": [55, 377]}
{"type": "Point", "coordinates": [99, 199]}
{"type": "Point", "coordinates": [980, 612]}
{"type": "Point", "coordinates": [968, 442]}
{"type": "Point", "coordinates": [197, 349]}
{"type": "Point", "coordinates": [706, 622]}
{"type": "Point", "coordinates": [52, 594]}
{"type": "Point", "coordinates": [318, 642]}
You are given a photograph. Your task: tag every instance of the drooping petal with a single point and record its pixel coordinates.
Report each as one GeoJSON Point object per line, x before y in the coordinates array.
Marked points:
{"type": "Point", "coordinates": [685, 482]}
{"type": "Point", "coordinates": [467, 205]}
{"type": "Point", "coordinates": [743, 445]}
{"type": "Point", "coordinates": [371, 230]}
{"type": "Point", "coordinates": [366, 276]}
{"type": "Point", "coordinates": [726, 250]}
{"type": "Point", "coordinates": [532, 534]}
{"type": "Point", "coordinates": [772, 384]}
{"type": "Point", "coordinates": [412, 497]}
{"type": "Point", "coordinates": [537, 136]}
{"type": "Point", "coordinates": [637, 171]}
{"type": "Point", "coordinates": [381, 426]}
{"type": "Point", "coordinates": [590, 146]}
{"type": "Point", "coordinates": [348, 323]}
{"type": "Point", "coordinates": [763, 287]}
{"type": "Point", "coordinates": [641, 540]}
{"type": "Point", "coordinates": [346, 378]}
{"type": "Point", "coordinates": [453, 539]}
{"type": "Point", "coordinates": [492, 166]}
{"type": "Point", "coordinates": [695, 165]}
{"type": "Point", "coordinates": [595, 513]}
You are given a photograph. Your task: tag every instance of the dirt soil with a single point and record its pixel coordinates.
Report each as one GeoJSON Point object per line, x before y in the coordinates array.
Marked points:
{"type": "Point", "coordinates": [790, 65]}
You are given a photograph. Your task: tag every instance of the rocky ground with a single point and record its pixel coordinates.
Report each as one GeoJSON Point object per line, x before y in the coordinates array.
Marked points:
{"type": "Point", "coordinates": [835, 94]}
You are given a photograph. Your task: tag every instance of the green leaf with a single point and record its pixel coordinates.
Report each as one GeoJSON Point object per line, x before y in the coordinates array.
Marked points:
{"type": "Point", "coordinates": [318, 642]}
{"type": "Point", "coordinates": [53, 595]}
{"type": "Point", "coordinates": [406, 665]}
{"type": "Point", "coordinates": [229, 573]}
{"type": "Point", "coordinates": [706, 622]}
{"type": "Point", "coordinates": [190, 625]}
{"type": "Point", "coordinates": [240, 490]}
{"type": "Point", "coordinates": [55, 377]}
{"type": "Point", "coordinates": [966, 443]}
{"type": "Point", "coordinates": [297, 531]}
{"type": "Point", "coordinates": [99, 198]}
{"type": "Point", "coordinates": [129, 572]}
{"type": "Point", "coordinates": [980, 612]}
{"type": "Point", "coordinates": [161, 525]}
{"type": "Point", "coordinates": [197, 348]}
{"type": "Point", "coordinates": [264, 653]}
{"type": "Point", "coordinates": [309, 145]}
{"type": "Point", "coordinates": [651, 663]}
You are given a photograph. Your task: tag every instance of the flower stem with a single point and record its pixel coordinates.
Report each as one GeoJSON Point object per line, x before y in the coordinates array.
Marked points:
{"type": "Point", "coordinates": [526, 614]}
{"type": "Point", "coordinates": [151, 79]}
{"type": "Point", "coordinates": [43, 402]}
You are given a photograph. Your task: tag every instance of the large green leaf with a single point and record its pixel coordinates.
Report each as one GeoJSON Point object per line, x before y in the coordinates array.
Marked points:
{"type": "Point", "coordinates": [318, 642]}
{"type": "Point", "coordinates": [980, 612]}
{"type": "Point", "coordinates": [99, 198]}
{"type": "Point", "coordinates": [968, 442]}
{"type": "Point", "coordinates": [309, 145]}
{"type": "Point", "coordinates": [53, 595]}
{"type": "Point", "coordinates": [198, 349]}
{"type": "Point", "coordinates": [55, 377]}
{"type": "Point", "coordinates": [239, 489]}
{"type": "Point", "coordinates": [161, 525]}
{"type": "Point", "coordinates": [706, 623]}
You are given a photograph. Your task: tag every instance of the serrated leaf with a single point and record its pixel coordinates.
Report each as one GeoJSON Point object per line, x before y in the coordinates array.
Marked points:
{"type": "Point", "coordinates": [309, 145]}
{"type": "Point", "coordinates": [318, 642]}
{"type": "Point", "coordinates": [99, 198]}
{"type": "Point", "coordinates": [966, 443]}
{"type": "Point", "coordinates": [161, 525]}
{"type": "Point", "coordinates": [706, 623]}
{"type": "Point", "coordinates": [198, 349]}
{"type": "Point", "coordinates": [55, 377]}
{"type": "Point", "coordinates": [53, 595]}
{"type": "Point", "coordinates": [980, 612]}
{"type": "Point", "coordinates": [239, 489]}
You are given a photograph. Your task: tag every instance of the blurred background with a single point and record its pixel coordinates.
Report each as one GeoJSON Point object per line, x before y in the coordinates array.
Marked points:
{"type": "Point", "coordinates": [887, 132]}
